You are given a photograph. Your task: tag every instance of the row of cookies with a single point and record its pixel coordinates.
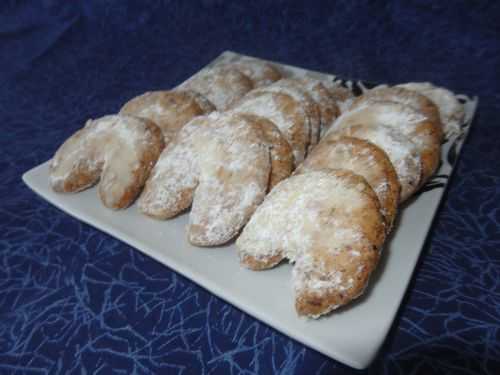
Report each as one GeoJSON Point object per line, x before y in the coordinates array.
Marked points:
{"type": "Point", "coordinates": [222, 147]}
{"type": "Point", "coordinates": [226, 137]}
{"type": "Point", "coordinates": [141, 129]}
{"type": "Point", "coordinates": [223, 164]}
{"type": "Point", "coordinates": [332, 216]}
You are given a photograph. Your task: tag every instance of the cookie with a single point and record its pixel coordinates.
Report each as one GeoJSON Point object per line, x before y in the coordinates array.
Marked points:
{"type": "Point", "coordinates": [364, 159]}
{"type": "Point", "coordinates": [283, 111]}
{"type": "Point", "coordinates": [400, 150]}
{"type": "Point", "coordinates": [117, 151]}
{"type": "Point", "coordinates": [342, 96]}
{"type": "Point", "coordinates": [260, 72]}
{"type": "Point", "coordinates": [282, 162]}
{"type": "Point", "coordinates": [219, 164]}
{"type": "Point", "coordinates": [451, 111]}
{"type": "Point", "coordinates": [405, 97]}
{"type": "Point", "coordinates": [413, 124]}
{"type": "Point", "coordinates": [223, 86]}
{"type": "Point", "coordinates": [325, 101]}
{"type": "Point", "coordinates": [170, 110]}
{"type": "Point", "coordinates": [295, 89]}
{"type": "Point", "coordinates": [326, 222]}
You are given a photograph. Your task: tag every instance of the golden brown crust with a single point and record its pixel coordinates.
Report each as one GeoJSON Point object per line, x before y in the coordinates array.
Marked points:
{"type": "Point", "coordinates": [170, 110]}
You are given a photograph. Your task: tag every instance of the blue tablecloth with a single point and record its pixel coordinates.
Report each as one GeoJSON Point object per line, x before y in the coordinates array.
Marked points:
{"type": "Point", "coordinates": [74, 300]}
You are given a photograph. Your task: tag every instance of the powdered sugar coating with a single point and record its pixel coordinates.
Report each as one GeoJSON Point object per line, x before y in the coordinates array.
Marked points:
{"type": "Point", "coordinates": [409, 122]}
{"type": "Point", "coordinates": [408, 98]}
{"type": "Point", "coordinates": [342, 96]}
{"type": "Point", "coordinates": [307, 216]}
{"type": "Point", "coordinates": [221, 165]}
{"type": "Point", "coordinates": [284, 112]}
{"type": "Point", "coordinates": [295, 89]}
{"type": "Point", "coordinates": [362, 158]}
{"type": "Point", "coordinates": [282, 161]}
{"type": "Point", "coordinates": [260, 72]}
{"type": "Point", "coordinates": [451, 111]}
{"type": "Point", "coordinates": [169, 190]}
{"type": "Point", "coordinates": [170, 110]}
{"type": "Point", "coordinates": [401, 151]}
{"type": "Point", "coordinates": [326, 102]}
{"type": "Point", "coordinates": [223, 86]}
{"type": "Point", "coordinates": [119, 150]}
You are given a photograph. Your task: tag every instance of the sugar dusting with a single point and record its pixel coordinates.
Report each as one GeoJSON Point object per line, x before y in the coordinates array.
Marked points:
{"type": "Point", "coordinates": [451, 111]}
{"type": "Point", "coordinates": [218, 163]}
{"type": "Point", "coordinates": [271, 106]}
{"type": "Point", "coordinates": [222, 86]}
{"type": "Point", "coordinates": [401, 151]}
{"type": "Point", "coordinates": [110, 147]}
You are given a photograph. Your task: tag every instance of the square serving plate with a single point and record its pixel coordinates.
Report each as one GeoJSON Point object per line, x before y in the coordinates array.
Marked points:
{"type": "Point", "coordinates": [351, 335]}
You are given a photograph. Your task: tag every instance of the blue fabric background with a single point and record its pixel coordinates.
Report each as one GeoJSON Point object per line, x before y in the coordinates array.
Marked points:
{"type": "Point", "coordinates": [76, 301]}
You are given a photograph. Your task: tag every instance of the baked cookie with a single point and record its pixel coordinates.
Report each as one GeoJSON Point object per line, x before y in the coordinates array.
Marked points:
{"type": "Point", "coordinates": [342, 96]}
{"type": "Point", "coordinates": [364, 159]}
{"type": "Point", "coordinates": [405, 97]}
{"type": "Point", "coordinates": [117, 151]}
{"type": "Point", "coordinates": [295, 89]}
{"type": "Point", "coordinates": [221, 85]}
{"type": "Point", "coordinates": [260, 72]}
{"type": "Point", "coordinates": [282, 162]}
{"type": "Point", "coordinates": [170, 110]}
{"type": "Point", "coordinates": [326, 222]}
{"type": "Point", "coordinates": [326, 102]}
{"type": "Point", "coordinates": [284, 112]}
{"type": "Point", "coordinates": [401, 151]}
{"type": "Point", "coordinates": [220, 165]}
{"type": "Point", "coordinates": [424, 134]}
{"type": "Point", "coordinates": [451, 111]}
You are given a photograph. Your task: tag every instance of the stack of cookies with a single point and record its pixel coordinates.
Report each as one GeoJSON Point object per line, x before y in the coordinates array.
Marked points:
{"type": "Point", "coordinates": [298, 168]}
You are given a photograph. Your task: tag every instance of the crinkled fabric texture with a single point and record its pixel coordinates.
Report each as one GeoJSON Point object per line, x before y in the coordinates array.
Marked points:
{"type": "Point", "coordinates": [74, 300]}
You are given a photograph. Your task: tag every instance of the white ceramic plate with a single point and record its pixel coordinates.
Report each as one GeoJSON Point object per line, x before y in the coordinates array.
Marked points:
{"type": "Point", "coordinates": [351, 335]}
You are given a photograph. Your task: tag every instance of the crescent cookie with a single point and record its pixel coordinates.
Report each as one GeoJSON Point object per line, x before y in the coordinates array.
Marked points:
{"type": "Point", "coordinates": [260, 72]}
{"type": "Point", "coordinates": [342, 96]}
{"type": "Point", "coordinates": [223, 86]}
{"type": "Point", "coordinates": [326, 222]}
{"type": "Point", "coordinates": [118, 151]}
{"type": "Point", "coordinates": [283, 111]}
{"type": "Point", "coordinates": [170, 110]}
{"type": "Point", "coordinates": [364, 159]}
{"type": "Point", "coordinates": [295, 89]}
{"type": "Point", "coordinates": [405, 97]}
{"type": "Point", "coordinates": [282, 161]}
{"type": "Point", "coordinates": [219, 164]}
{"type": "Point", "coordinates": [409, 122]}
{"type": "Point", "coordinates": [451, 111]}
{"type": "Point", "coordinates": [325, 101]}
{"type": "Point", "coordinates": [400, 150]}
